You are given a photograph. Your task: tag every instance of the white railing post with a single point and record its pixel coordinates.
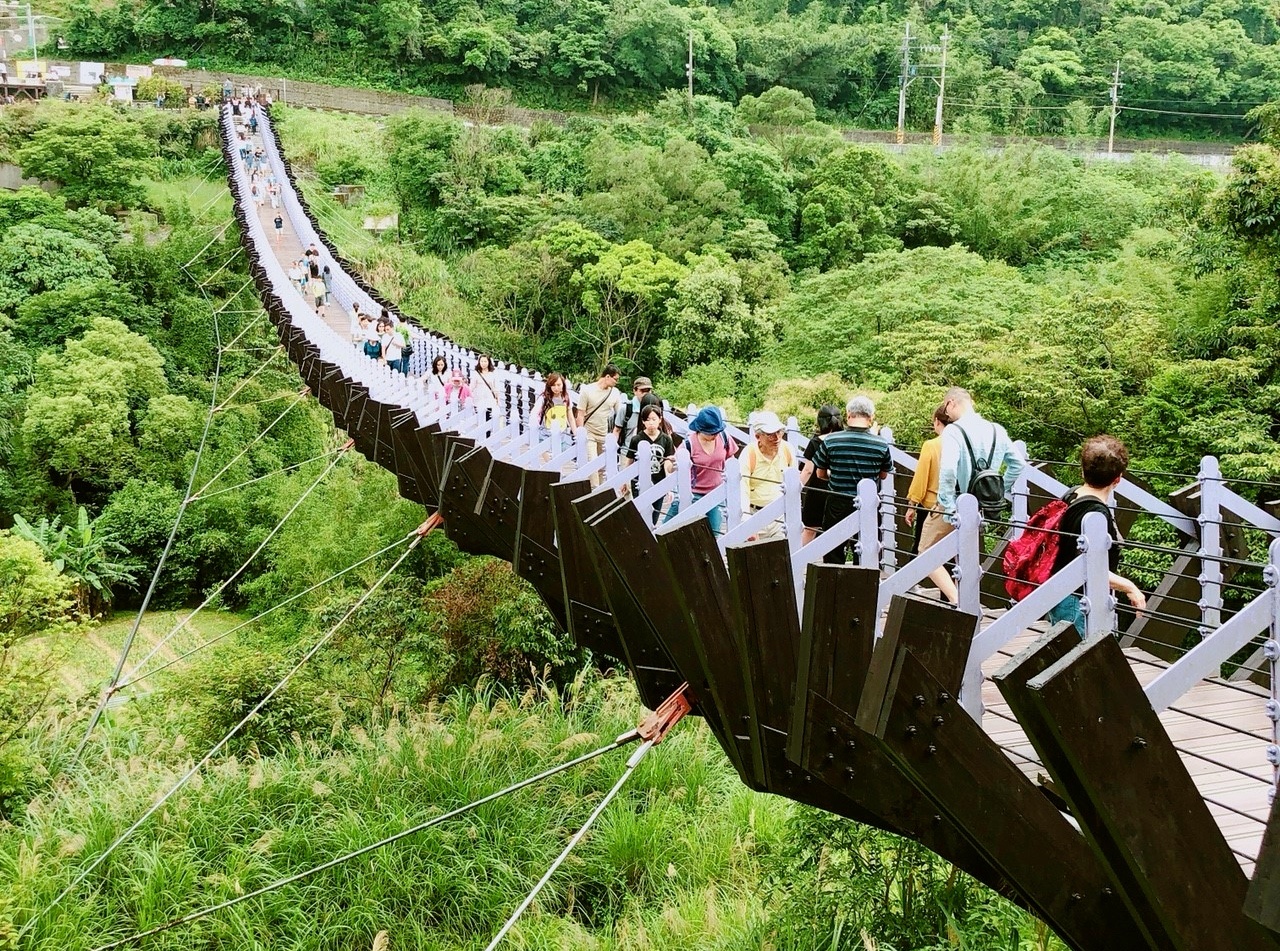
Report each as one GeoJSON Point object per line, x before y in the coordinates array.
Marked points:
{"type": "Point", "coordinates": [1020, 492]}
{"type": "Point", "coordinates": [610, 452]}
{"type": "Point", "coordinates": [868, 543]}
{"type": "Point", "coordinates": [684, 477]}
{"type": "Point", "coordinates": [791, 489]}
{"type": "Point", "coordinates": [1209, 519]}
{"type": "Point", "coordinates": [888, 513]}
{"type": "Point", "coordinates": [1271, 652]}
{"type": "Point", "coordinates": [968, 570]}
{"type": "Point", "coordinates": [1098, 602]}
{"type": "Point", "coordinates": [644, 459]}
{"type": "Point", "coordinates": [732, 493]}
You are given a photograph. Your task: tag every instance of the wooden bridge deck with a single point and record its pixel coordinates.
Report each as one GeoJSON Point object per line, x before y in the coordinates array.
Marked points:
{"type": "Point", "coordinates": [1216, 755]}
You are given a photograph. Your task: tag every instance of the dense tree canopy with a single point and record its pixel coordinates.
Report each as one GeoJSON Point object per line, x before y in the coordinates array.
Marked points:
{"type": "Point", "coordinates": [1022, 66]}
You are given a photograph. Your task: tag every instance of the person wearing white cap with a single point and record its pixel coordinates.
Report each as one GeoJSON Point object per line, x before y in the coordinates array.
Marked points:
{"type": "Point", "coordinates": [762, 464]}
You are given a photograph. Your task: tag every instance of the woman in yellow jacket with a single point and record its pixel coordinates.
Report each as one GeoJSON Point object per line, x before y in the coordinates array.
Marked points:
{"type": "Point", "coordinates": [923, 496]}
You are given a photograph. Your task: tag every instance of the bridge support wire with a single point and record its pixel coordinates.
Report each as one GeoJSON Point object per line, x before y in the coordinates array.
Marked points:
{"type": "Point", "coordinates": [621, 741]}
{"type": "Point", "coordinates": [653, 730]}
{"type": "Point", "coordinates": [417, 536]}
{"type": "Point", "coordinates": [155, 648]}
{"type": "Point", "coordinates": [168, 546]}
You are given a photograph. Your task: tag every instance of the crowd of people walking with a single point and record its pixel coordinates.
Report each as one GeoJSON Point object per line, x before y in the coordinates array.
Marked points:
{"type": "Point", "coordinates": [966, 453]}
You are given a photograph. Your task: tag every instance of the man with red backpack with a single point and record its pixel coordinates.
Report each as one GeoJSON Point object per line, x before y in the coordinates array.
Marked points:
{"type": "Point", "coordinates": [1048, 543]}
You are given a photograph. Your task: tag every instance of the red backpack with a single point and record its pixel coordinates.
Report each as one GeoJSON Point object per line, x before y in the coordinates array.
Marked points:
{"type": "Point", "coordinates": [1028, 559]}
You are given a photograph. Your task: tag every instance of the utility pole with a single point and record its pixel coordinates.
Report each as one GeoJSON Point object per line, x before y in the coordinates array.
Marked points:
{"type": "Point", "coordinates": [942, 89]}
{"type": "Point", "coordinates": [688, 71]}
{"type": "Point", "coordinates": [1115, 108]}
{"type": "Point", "coordinates": [902, 85]}
{"type": "Point", "coordinates": [31, 31]}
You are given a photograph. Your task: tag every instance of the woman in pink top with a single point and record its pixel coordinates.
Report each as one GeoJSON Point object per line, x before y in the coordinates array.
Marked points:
{"type": "Point", "coordinates": [709, 449]}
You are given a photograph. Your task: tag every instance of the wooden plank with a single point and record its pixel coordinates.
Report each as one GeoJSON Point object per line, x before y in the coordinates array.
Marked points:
{"type": "Point", "coordinates": [409, 456]}
{"type": "Point", "coordinates": [1004, 816]}
{"type": "Point", "coordinates": [766, 630]}
{"type": "Point", "coordinates": [586, 608]}
{"type": "Point", "coordinates": [384, 453]}
{"type": "Point", "coordinates": [536, 558]}
{"type": "Point", "coordinates": [655, 673]}
{"type": "Point", "coordinates": [624, 535]}
{"type": "Point", "coordinates": [702, 595]}
{"type": "Point", "coordinates": [877, 792]}
{"type": "Point", "coordinates": [939, 635]}
{"type": "Point", "coordinates": [499, 502]}
{"type": "Point", "coordinates": [1113, 761]}
{"type": "Point", "coordinates": [836, 639]}
{"type": "Point", "coordinates": [466, 468]}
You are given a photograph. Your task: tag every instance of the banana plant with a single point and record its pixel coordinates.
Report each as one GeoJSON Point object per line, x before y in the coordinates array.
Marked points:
{"type": "Point", "coordinates": [86, 555]}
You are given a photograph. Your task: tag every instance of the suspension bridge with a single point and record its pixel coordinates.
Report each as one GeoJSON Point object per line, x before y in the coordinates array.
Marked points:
{"type": "Point", "coordinates": [1119, 787]}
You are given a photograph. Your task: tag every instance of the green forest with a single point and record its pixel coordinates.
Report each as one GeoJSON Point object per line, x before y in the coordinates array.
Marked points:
{"type": "Point", "coordinates": [1028, 67]}
{"type": "Point", "coordinates": [737, 251]}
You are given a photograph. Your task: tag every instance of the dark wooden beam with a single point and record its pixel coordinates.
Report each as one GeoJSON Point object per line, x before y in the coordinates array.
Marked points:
{"type": "Point", "coordinates": [918, 722]}
{"type": "Point", "coordinates": [1262, 903]}
{"type": "Point", "coordinates": [702, 596]}
{"type": "Point", "coordinates": [536, 558]}
{"type": "Point", "coordinates": [586, 607]}
{"type": "Point", "coordinates": [1113, 761]}
{"type": "Point", "coordinates": [655, 673]}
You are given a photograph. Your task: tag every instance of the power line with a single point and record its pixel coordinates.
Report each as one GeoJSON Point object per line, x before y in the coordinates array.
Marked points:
{"type": "Point", "coordinates": [1175, 112]}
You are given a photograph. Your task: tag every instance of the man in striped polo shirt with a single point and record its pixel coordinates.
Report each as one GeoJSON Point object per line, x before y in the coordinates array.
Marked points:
{"type": "Point", "coordinates": [846, 458]}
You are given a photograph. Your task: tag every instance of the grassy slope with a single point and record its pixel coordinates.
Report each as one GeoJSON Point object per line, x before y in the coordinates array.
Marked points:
{"type": "Point", "coordinates": [89, 663]}
{"type": "Point", "coordinates": [674, 863]}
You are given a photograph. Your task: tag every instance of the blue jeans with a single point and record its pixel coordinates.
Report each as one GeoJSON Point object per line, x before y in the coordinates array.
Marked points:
{"type": "Point", "coordinates": [1069, 609]}
{"type": "Point", "coordinates": [715, 518]}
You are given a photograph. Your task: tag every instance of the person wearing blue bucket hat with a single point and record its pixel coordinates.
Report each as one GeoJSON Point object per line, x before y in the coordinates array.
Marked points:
{"type": "Point", "coordinates": [709, 448]}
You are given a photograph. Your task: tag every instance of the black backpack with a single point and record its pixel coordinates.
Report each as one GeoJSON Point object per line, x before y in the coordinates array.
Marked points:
{"type": "Point", "coordinates": [986, 484]}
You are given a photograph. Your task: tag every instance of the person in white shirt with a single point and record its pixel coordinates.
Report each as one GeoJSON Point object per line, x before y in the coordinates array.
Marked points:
{"type": "Point", "coordinates": [484, 387]}
{"type": "Point", "coordinates": [392, 344]}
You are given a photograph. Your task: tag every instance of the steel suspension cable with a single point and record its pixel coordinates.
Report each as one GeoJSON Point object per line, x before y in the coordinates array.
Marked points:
{"type": "Point", "coordinates": [417, 537]}
{"type": "Point", "coordinates": [269, 475]}
{"type": "Point", "coordinates": [164, 554]}
{"type": "Point", "coordinates": [621, 741]}
{"type": "Point", "coordinates": [135, 677]}
{"type": "Point", "coordinates": [632, 763]}
{"type": "Point", "coordinates": [236, 574]}
{"type": "Point", "coordinates": [253, 442]}
{"type": "Point", "coordinates": [245, 382]}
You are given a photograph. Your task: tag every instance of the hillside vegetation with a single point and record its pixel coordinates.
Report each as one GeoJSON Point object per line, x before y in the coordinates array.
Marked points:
{"type": "Point", "coordinates": [785, 268]}
{"type": "Point", "coordinates": [1013, 66]}
{"type": "Point", "coordinates": [739, 253]}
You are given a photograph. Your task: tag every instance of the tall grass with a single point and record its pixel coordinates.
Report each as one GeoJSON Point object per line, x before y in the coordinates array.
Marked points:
{"type": "Point", "coordinates": [686, 857]}
{"type": "Point", "coordinates": [678, 835]}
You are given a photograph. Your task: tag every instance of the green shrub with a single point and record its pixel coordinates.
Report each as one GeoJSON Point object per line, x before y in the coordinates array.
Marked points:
{"type": "Point", "coordinates": [175, 94]}
{"type": "Point", "coordinates": [494, 624]}
{"type": "Point", "coordinates": [219, 691]}
{"type": "Point", "coordinates": [20, 780]}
